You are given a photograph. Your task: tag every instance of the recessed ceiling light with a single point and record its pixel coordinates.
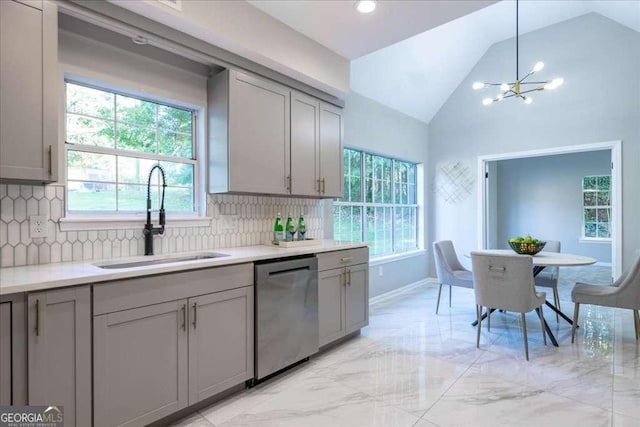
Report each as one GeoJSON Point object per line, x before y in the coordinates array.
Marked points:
{"type": "Point", "coordinates": [366, 6]}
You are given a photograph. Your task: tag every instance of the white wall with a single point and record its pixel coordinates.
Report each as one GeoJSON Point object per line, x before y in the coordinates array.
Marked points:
{"type": "Point", "coordinates": [379, 129]}
{"type": "Point", "coordinates": [542, 196]}
{"type": "Point", "coordinates": [600, 101]}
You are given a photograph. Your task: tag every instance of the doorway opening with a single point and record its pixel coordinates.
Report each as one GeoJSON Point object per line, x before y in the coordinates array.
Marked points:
{"type": "Point", "coordinates": [488, 234]}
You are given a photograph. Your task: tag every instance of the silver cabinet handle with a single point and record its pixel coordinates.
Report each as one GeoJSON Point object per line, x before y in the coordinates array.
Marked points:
{"type": "Point", "coordinates": [346, 259]}
{"type": "Point", "coordinates": [184, 317]}
{"type": "Point", "coordinates": [50, 152]}
{"type": "Point", "coordinates": [288, 180]}
{"type": "Point", "coordinates": [322, 181]}
{"type": "Point", "coordinates": [37, 328]}
{"type": "Point", "coordinates": [343, 278]}
{"type": "Point", "coordinates": [195, 314]}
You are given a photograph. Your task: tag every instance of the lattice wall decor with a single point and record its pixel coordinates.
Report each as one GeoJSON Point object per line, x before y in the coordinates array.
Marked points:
{"type": "Point", "coordinates": [454, 182]}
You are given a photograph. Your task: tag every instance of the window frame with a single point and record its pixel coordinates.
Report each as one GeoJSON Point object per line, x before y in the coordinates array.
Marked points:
{"type": "Point", "coordinates": [583, 236]}
{"type": "Point", "coordinates": [363, 204]}
{"type": "Point", "coordinates": [81, 220]}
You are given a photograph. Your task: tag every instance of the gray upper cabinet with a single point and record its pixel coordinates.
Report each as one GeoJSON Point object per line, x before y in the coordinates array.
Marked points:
{"type": "Point", "coordinates": [28, 102]}
{"type": "Point", "coordinates": [267, 139]}
{"type": "Point", "coordinates": [59, 351]}
{"type": "Point", "coordinates": [331, 145]}
{"type": "Point", "coordinates": [249, 135]}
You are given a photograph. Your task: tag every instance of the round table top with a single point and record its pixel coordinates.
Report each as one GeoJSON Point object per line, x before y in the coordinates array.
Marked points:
{"type": "Point", "coordinates": [548, 259]}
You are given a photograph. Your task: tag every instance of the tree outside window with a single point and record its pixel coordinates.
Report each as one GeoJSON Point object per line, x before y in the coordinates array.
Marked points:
{"type": "Point", "coordinates": [596, 207]}
{"type": "Point", "coordinates": [379, 205]}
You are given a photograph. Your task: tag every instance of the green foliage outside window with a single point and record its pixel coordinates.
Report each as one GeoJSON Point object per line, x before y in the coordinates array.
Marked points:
{"type": "Point", "coordinates": [596, 206]}
{"type": "Point", "coordinates": [114, 140]}
{"type": "Point", "coordinates": [379, 205]}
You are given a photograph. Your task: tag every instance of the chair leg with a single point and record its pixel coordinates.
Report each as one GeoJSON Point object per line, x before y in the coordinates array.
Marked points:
{"type": "Point", "coordinates": [438, 302]}
{"type": "Point", "coordinates": [576, 310]}
{"type": "Point", "coordinates": [542, 321]}
{"type": "Point", "coordinates": [450, 295]}
{"type": "Point", "coordinates": [556, 300]}
{"type": "Point", "coordinates": [524, 335]}
{"type": "Point", "coordinates": [479, 316]}
{"type": "Point", "coordinates": [636, 323]}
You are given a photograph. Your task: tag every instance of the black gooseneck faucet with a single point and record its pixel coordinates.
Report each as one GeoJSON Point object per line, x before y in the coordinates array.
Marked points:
{"type": "Point", "coordinates": [149, 229]}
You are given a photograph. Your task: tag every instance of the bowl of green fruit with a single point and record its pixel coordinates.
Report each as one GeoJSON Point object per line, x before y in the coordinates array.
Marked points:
{"type": "Point", "coordinates": [526, 245]}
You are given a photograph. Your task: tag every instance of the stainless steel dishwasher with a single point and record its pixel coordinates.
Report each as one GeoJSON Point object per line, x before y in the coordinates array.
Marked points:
{"type": "Point", "coordinates": [286, 313]}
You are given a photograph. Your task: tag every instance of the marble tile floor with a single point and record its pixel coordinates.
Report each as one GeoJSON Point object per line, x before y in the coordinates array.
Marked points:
{"type": "Point", "coordinates": [410, 367]}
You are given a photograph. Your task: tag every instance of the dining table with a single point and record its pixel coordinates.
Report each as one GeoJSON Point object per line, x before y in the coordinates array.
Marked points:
{"type": "Point", "coordinates": [541, 260]}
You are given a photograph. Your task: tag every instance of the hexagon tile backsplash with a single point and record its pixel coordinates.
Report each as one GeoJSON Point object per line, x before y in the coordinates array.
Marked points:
{"type": "Point", "coordinates": [235, 221]}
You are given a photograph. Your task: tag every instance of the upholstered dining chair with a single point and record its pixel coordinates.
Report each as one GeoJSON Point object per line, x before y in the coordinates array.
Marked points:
{"type": "Point", "coordinates": [449, 270]}
{"type": "Point", "coordinates": [505, 282]}
{"type": "Point", "coordinates": [548, 278]}
{"type": "Point", "coordinates": [623, 293]}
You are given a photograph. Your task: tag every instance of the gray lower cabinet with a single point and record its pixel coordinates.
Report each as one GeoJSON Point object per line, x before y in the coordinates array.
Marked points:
{"type": "Point", "coordinates": [220, 342]}
{"type": "Point", "coordinates": [13, 377]}
{"type": "Point", "coordinates": [28, 91]}
{"type": "Point", "coordinates": [343, 293]}
{"type": "Point", "coordinates": [153, 357]}
{"type": "Point", "coordinates": [140, 364]}
{"type": "Point", "coordinates": [59, 351]}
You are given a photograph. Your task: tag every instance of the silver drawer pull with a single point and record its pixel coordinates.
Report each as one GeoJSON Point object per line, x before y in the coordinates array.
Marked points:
{"type": "Point", "coordinates": [346, 259]}
{"type": "Point", "coordinates": [184, 317]}
{"type": "Point", "coordinates": [195, 314]}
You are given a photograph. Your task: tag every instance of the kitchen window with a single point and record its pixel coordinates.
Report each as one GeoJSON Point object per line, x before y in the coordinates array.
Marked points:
{"type": "Point", "coordinates": [596, 207]}
{"type": "Point", "coordinates": [379, 204]}
{"type": "Point", "coordinates": [112, 141]}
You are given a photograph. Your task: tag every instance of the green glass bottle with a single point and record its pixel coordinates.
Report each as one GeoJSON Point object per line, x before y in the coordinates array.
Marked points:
{"type": "Point", "coordinates": [278, 231]}
{"type": "Point", "coordinates": [290, 229]}
{"type": "Point", "coordinates": [302, 228]}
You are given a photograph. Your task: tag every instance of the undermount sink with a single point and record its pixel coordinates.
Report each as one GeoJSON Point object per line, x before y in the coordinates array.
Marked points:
{"type": "Point", "coordinates": [156, 261]}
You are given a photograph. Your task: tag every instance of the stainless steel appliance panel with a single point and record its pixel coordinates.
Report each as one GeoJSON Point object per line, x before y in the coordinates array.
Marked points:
{"type": "Point", "coordinates": [286, 313]}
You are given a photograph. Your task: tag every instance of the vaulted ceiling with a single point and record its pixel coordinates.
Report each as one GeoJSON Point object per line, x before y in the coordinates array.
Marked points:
{"type": "Point", "coordinates": [411, 55]}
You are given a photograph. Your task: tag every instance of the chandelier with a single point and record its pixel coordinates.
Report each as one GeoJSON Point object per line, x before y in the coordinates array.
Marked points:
{"type": "Point", "coordinates": [520, 86]}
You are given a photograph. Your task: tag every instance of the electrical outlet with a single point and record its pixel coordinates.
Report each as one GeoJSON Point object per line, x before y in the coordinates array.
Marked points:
{"type": "Point", "coordinates": [37, 226]}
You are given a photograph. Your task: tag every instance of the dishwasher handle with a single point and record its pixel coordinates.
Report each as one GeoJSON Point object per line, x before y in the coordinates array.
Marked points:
{"type": "Point", "coordinates": [290, 270]}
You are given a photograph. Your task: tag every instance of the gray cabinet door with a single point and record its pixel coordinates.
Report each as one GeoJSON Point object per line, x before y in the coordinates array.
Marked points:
{"type": "Point", "coordinates": [220, 342]}
{"type": "Point", "coordinates": [140, 364]}
{"type": "Point", "coordinates": [5, 353]}
{"type": "Point", "coordinates": [28, 69]}
{"type": "Point", "coordinates": [331, 145]}
{"type": "Point", "coordinates": [331, 305]}
{"type": "Point", "coordinates": [13, 350]}
{"type": "Point", "coordinates": [259, 135]}
{"type": "Point", "coordinates": [305, 145]}
{"type": "Point", "coordinates": [357, 297]}
{"type": "Point", "coordinates": [59, 347]}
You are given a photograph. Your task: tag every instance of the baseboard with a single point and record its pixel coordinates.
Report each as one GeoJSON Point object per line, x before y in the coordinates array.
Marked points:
{"type": "Point", "coordinates": [399, 291]}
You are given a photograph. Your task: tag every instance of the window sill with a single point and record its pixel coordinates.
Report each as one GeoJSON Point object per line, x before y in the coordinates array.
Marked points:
{"type": "Point", "coordinates": [82, 223]}
{"type": "Point", "coordinates": [600, 241]}
{"type": "Point", "coordinates": [385, 259]}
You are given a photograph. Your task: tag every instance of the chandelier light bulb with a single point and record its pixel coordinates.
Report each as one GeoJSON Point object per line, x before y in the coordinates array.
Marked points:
{"type": "Point", "coordinates": [539, 66]}
{"type": "Point", "coordinates": [504, 87]}
{"type": "Point", "coordinates": [478, 85]}
{"type": "Point", "coordinates": [500, 97]}
{"type": "Point", "coordinates": [366, 6]}
{"type": "Point", "coordinates": [553, 84]}
{"type": "Point", "coordinates": [487, 101]}
{"type": "Point", "coordinates": [527, 100]}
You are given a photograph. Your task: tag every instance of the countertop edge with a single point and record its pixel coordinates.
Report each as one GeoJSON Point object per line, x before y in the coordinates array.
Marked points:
{"type": "Point", "coordinates": [65, 274]}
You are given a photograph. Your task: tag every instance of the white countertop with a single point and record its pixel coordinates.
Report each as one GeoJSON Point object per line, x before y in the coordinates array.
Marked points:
{"type": "Point", "coordinates": [51, 276]}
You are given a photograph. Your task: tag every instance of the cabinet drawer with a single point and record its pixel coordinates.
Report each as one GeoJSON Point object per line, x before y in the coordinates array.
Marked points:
{"type": "Point", "coordinates": [345, 258]}
{"type": "Point", "coordinates": [124, 294]}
